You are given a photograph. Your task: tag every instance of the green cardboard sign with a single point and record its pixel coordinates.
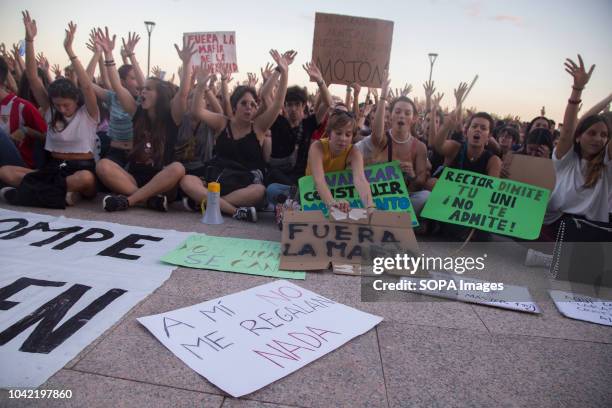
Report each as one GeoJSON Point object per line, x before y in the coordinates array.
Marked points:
{"type": "Point", "coordinates": [225, 254]}
{"type": "Point", "coordinates": [486, 203]}
{"type": "Point", "coordinates": [389, 190]}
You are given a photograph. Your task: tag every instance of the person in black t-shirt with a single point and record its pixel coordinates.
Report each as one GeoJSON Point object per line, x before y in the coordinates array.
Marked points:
{"type": "Point", "coordinates": [291, 134]}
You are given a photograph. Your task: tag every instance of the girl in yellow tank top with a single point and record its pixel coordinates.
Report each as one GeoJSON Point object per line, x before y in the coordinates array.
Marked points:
{"type": "Point", "coordinates": [337, 153]}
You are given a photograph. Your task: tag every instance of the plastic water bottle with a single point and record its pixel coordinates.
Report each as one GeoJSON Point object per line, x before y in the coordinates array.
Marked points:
{"type": "Point", "coordinates": [213, 210]}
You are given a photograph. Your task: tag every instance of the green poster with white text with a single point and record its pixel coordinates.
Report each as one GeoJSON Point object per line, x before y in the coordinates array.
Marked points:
{"type": "Point", "coordinates": [389, 190]}
{"type": "Point", "coordinates": [486, 203]}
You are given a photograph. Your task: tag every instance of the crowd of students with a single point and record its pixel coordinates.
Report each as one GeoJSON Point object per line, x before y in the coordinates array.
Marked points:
{"type": "Point", "coordinates": [145, 141]}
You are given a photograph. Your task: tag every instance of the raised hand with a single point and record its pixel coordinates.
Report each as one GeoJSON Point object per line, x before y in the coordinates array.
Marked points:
{"type": "Point", "coordinates": [406, 90]}
{"type": "Point", "coordinates": [267, 71]}
{"type": "Point", "coordinates": [57, 71]}
{"type": "Point", "coordinates": [313, 72]}
{"type": "Point", "coordinates": [290, 56]}
{"type": "Point", "coordinates": [187, 52]}
{"type": "Point", "coordinates": [252, 79]}
{"type": "Point", "coordinates": [374, 92]}
{"type": "Point", "coordinates": [429, 89]}
{"type": "Point", "coordinates": [129, 47]}
{"type": "Point", "coordinates": [15, 51]}
{"type": "Point", "coordinates": [384, 91]}
{"type": "Point", "coordinates": [280, 60]}
{"type": "Point", "coordinates": [226, 75]}
{"type": "Point", "coordinates": [156, 71]}
{"type": "Point", "coordinates": [30, 26]}
{"type": "Point", "coordinates": [367, 109]}
{"type": "Point", "coordinates": [69, 36]}
{"type": "Point", "coordinates": [581, 77]}
{"type": "Point", "coordinates": [356, 87]}
{"type": "Point", "coordinates": [3, 50]}
{"type": "Point", "coordinates": [437, 99]}
{"type": "Point", "coordinates": [43, 62]}
{"type": "Point", "coordinates": [460, 92]}
{"type": "Point", "coordinates": [202, 75]}
{"type": "Point", "coordinates": [103, 39]}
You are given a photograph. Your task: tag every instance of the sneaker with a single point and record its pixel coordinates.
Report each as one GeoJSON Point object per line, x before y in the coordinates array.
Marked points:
{"type": "Point", "coordinates": [8, 194]}
{"type": "Point", "coordinates": [537, 258]}
{"type": "Point", "coordinates": [190, 205]}
{"type": "Point", "coordinates": [246, 214]}
{"type": "Point", "coordinates": [158, 202]}
{"type": "Point", "coordinates": [72, 198]}
{"type": "Point", "coordinates": [115, 203]}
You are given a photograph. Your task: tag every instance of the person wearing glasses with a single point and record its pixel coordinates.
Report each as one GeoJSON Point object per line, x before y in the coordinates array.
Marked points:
{"type": "Point", "coordinates": [241, 140]}
{"type": "Point", "coordinates": [336, 153]}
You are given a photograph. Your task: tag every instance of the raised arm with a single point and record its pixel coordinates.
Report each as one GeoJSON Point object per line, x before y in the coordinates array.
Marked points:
{"type": "Point", "coordinates": [216, 121]}
{"type": "Point", "coordinates": [226, 77]}
{"type": "Point", "coordinates": [581, 78]}
{"type": "Point", "coordinates": [19, 64]}
{"type": "Point", "coordinates": [315, 162]}
{"type": "Point", "coordinates": [91, 103]}
{"type": "Point", "coordinates": [356, 90]}
{"type": "Point", "coordinates": [325, 99]}
{"type": "Point", "coordinates": [129, 47]}
{"type": "Point", "coordinates": [179, 102]}
{"type": "Point", "coordinates": [36, 84]}
{"type": "Point", "coordinates": [266, 89]}
{"type": "Point", "coordinates": [447, 148]}
{"type": "Point", "coordinates": [125, 98]}
{"type": "Point", "coordinates": [378, 129]}
{"type": "Point", "coordinates": [265, 120]}
{"type": "Point", "coordinates": [460, 95]}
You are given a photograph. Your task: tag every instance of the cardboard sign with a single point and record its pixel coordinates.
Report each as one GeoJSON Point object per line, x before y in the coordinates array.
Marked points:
{"type": "Point", "coordinates": [352, 49]}
{"type": "Point", "coordinates": [582, 307]}
{"type": "Point", "coordinates": [226, 254]}
{"type": "Point", "coordinates": [311, 242]}
{"type": "Point", "coordinates": [387, 184]}
{"type": "Point", "coordinates": [512, 297]}
{"type": "Point", "coordinates": [491, 204]}
{"type": "Point", "coordinates": [215, 50]}
{"type": "Point", "coordinates": [63, 282]}
{"type": "Point", "coordinates": [537, 171]}
{"type": "Point", "coordinates": [245, 341]}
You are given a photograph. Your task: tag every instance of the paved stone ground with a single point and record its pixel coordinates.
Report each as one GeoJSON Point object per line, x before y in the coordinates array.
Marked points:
{"type": "Point", "coordinates": [424, 353]}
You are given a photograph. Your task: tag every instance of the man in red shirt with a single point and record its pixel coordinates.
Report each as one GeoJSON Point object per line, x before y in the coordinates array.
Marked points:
{"type": "Point", "coordinates": [22, 131]}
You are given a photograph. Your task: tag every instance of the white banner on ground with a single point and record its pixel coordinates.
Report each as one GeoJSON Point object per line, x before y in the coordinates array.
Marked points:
{"type": "Point", "coordinates": [247, 340]}
{"type": "Point", "coordinates": [583, 307]}
{"type": "Point", "coordinates": [64, 281]}
{"type": "Point", "coordinates": [511, 297]}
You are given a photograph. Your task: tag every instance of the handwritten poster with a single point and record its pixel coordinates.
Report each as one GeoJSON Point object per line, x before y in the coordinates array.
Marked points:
{"type": "Point", "coordinates": [247, 340]}
{"type": "Point", "coordinates": [582, 307]}
{"type": "Point", "coordinates": [486, 203]}
{"type": "Point", "coordinates": [387, 184]}
{"type": "Point", "coordinates": [250, 256]}
{"type": "Point", "coordinates": [351, 49]}
{"type": "Point", "coordinates": [215, 50]}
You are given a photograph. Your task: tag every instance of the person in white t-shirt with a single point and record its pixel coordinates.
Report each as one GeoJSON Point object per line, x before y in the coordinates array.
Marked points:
{"type": "Point", "coordinates": [583, 168]}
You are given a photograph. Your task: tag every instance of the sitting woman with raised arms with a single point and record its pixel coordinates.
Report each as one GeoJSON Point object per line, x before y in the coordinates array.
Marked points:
{"type": "Point", "coordinates": [240, 142]}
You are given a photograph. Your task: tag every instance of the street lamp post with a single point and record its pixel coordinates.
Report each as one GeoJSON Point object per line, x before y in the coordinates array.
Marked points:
{"type": "Point", "coordinates": [150, 25]}
{"type": "Point", "coordinates": [432, 58]}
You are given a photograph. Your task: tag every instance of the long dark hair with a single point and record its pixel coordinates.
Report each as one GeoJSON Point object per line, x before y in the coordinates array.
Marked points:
{"type": "Point", "coordinates": [24, 91]}
{"type": "Point", "coordinates": [595, 166]}
{"type": "Point", "coordinates": [154, 131]}
{"type": "Point", "coordinates": [62, 88]}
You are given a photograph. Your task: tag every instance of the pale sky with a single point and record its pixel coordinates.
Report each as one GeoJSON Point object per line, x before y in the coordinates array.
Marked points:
{"type": "Point", "coordinates": [516, 47]}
